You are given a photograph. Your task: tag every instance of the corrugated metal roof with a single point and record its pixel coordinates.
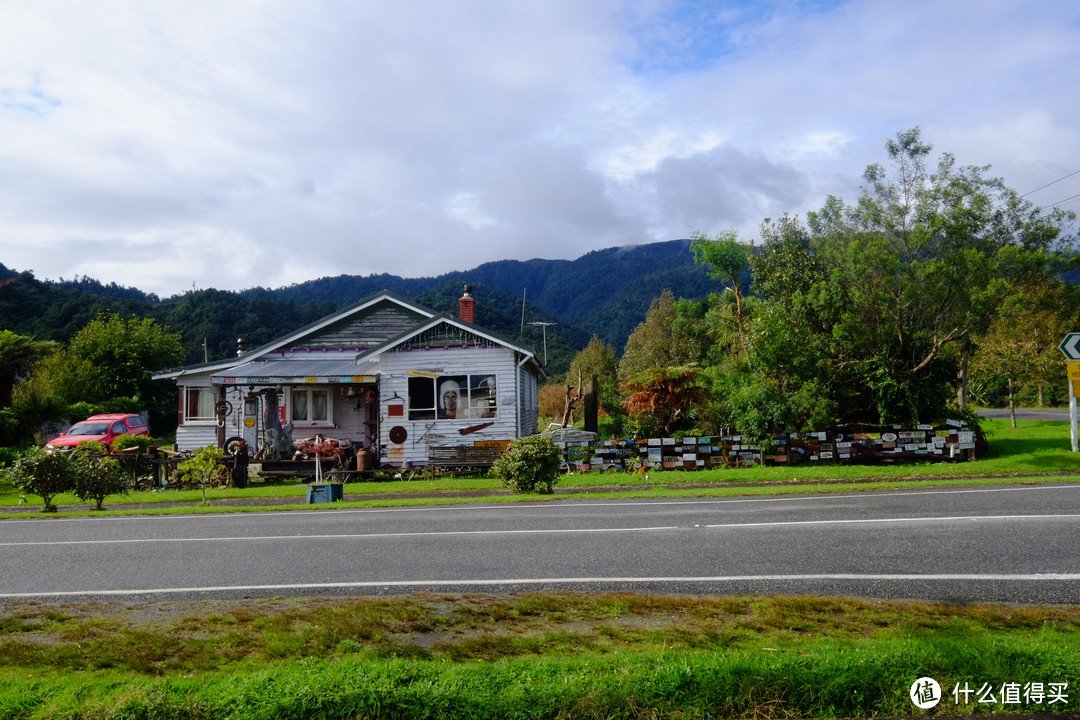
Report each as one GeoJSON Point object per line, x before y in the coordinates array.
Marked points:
{"type": "Point", "coordinates": [285, 369]}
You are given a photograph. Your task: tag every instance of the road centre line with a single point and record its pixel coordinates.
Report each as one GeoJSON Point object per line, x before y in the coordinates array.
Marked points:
{"type": "Point", "coordinates": [336, 536]}
{"type": "Point", "coordinates": [389, 584]}
{"type": "Point", "coordinates": [855, 521]}
{"type": "Point", "coordinates": [556, 504]}
{"type": "Point", "coordinates": [543, 531]}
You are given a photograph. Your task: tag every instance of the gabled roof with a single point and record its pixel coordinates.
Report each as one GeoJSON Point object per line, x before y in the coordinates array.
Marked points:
{"type": "Point", "coordinates": [450, 320]}
{"type": "Point", "coordinates": [308, 331]}
{"type": "Point", "coordinates": [368, 345]}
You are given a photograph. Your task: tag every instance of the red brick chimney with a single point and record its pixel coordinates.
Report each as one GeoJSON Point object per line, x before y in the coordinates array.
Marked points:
{"type": "Point", "coordinates": [467, 306]}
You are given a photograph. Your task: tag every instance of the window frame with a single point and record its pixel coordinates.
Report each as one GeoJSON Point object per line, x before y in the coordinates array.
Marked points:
{"type": "Point", "coordinates": [427, 397]}
{"type": "Point", "coordinates": [308, 393]}
{"type": "Point", "coordinates": [202, 390]}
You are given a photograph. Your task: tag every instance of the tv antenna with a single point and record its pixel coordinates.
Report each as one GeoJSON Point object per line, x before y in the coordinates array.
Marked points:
{"type": "Point", "coordinates": [544, 325]}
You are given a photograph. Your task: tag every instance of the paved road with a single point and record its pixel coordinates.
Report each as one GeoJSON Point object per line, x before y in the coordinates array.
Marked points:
{"type": "Point", "coordinates": [1015, 543]}
{"type": "Point", "coordinates": [1030, 414]}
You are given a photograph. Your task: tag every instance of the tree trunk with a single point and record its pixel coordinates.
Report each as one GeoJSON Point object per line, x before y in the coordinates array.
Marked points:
{"type": "Point", "coordinates": [1012, 404]}
{"type": "Point", "coordinates": [739, 323]}
{"type": "Point", "coordinates": [962, 376]}
{"type": "Point", "coordinates": [592, 406]}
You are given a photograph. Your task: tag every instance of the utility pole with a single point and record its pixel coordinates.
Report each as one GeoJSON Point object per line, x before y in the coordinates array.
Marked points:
{"type": "Point", "coordinates": [544, 325]}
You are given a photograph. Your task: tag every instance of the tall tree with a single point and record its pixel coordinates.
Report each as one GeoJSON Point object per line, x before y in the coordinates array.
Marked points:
{"type": "Point", "coordinates": [663, 398]}
{"type": "Point", "coordinates": [598, 360]}
{"type": "Point", "coordinates": [879, 290]}
{"type": "Point", "coordinates": [656, 343]}
{"type": "Point", "coordinates": [729, 262]}
{"type": "Point", "coordinates": [1021, 349]}
{"type": "Point", "coordinates": [109, 358]}
{"type": "Point", "coordinates": [930, 259]}
{"type": "Point", "coordinates": [17, 354]}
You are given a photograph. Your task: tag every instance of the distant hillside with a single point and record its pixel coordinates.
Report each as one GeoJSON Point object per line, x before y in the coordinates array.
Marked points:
{"type": "Point", "coordinates": [605, 292]}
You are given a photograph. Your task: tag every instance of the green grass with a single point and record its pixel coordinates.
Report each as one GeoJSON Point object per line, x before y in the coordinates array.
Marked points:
{"type": "Point", "coordinates": [1036, 449]}
{"type": "Point", "coordinates": [564, 655]}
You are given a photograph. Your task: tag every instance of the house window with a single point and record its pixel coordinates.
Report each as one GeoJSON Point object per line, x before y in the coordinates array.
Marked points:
{"type": "Point", "coordinates": [452, 397]}
{"type": "Point", "coordinates": [311, 406]}
{"type": "Point", "coordinates": [199, 404]}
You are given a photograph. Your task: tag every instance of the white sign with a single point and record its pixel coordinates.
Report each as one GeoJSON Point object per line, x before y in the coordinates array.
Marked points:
{"type": "Point", "coordinates": [1069, 346]}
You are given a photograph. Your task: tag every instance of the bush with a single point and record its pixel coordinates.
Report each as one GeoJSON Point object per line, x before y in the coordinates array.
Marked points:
{"type": "Point", "coordinates": [43, 474]}
{"type": "Point", "coordinates": [531, 464]}
{"type": "Point", "coordinates": [97, 476]}
{"type": "Point", "coordinates": [125, 441]}
{"type": "Point", "coordinates": [205, 468]}
{"type": "Point", "coordinates": [8, 455]}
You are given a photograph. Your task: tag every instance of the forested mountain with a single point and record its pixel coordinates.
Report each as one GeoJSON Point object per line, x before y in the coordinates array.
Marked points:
{"type": "Point", "coordinates": [605, 292]}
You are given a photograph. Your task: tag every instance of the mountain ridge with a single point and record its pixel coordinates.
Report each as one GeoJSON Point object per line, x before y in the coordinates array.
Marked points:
{"type": "Point", "coordinates": [604, 292]}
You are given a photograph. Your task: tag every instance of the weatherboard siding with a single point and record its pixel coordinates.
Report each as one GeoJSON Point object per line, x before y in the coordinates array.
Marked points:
{"type": "Point", "coordinates": [394, 390]}
{"type": "Point", "coordinates": [365, 330]}
{"type": "Point", "coordinates": [528, 405]}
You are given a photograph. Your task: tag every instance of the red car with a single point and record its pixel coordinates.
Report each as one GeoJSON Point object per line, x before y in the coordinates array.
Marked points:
{"type": "Point", "coordinates": [100, 428]}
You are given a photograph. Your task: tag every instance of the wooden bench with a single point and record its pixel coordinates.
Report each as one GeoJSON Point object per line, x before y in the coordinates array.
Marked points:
{"type": "Point", "coordinates": [458, 459]}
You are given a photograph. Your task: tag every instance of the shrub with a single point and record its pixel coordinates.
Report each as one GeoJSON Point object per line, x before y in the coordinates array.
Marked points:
{"type": "Point", "coordinates": [97, 476]}
{"type": "Point", "coordinates": [43, 474]}
{"type": "Point", "coordinates": [531, 464]}
{"type": "Point", "coordinates": [9, 455]}
{"type": "Point", "coordinates": [125, 441]}
{"type": "Point", "coordinates": [205, 468]}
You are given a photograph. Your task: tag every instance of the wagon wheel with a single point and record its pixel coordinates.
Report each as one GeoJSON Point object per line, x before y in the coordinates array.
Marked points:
{"type": "Point", "coordinates": [224, 407]}
{"type": "Point", "coordinates": [233, 445]}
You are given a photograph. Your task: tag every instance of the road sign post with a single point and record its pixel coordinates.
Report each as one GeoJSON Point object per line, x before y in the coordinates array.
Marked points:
{"type": "Point", "coordinates": [1070, 348]}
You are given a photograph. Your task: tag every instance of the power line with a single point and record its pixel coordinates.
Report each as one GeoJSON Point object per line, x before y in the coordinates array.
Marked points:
{"type": "Point", "coordinates": [1050, 183]}
{"type": "Point", "coordinates": [1059, 202]}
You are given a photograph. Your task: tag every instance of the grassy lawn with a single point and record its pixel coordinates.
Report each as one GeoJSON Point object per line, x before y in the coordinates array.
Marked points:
{"type": "Point", "coordinates": [558, 655]}
{"type": "Point", "coordinates": [1037, 449]}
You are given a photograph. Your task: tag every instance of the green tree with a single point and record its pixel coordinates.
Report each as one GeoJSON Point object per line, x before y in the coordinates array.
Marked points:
{"type": "Point", "coordinates": [109, 358]}
{"type": "Point", "coordinates": [43, 474]}
{"type": "Point", "coordinates": [729, 262]}
{"type": "Point", "coordinates": [17, 354]}
{"type": "Point", "coordinates": [1021, 349]}
{"type": "Point", "coordinates": [656, 343]}
{"type": "Point", "coordinates": [663, 398]}
{"type": "Point", "coordinates": [927, 260]}
{"type": "Point", "coordinates": [97, 476]}
{"type": "Point", "coordinates": [597, 359]}
{"type": "Point", "coordinates": [867, 303]}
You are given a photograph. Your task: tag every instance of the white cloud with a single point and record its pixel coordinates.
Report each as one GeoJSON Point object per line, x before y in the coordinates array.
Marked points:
{"type": "Point", "coordinates": [262, 142]}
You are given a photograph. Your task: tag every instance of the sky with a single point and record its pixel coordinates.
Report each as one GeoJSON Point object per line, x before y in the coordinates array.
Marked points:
{"type": "Point", "coordinates": [179, 144]}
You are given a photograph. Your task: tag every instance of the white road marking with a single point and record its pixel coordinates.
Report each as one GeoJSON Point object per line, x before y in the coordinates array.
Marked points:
{"type": "Point", "coordinates": [564, 504]}
{"type": "Point", "coordinates": [870, 521]}
{"type": "Point", "coordinates": [388, 584]}
{"type": "Point", "coordinates": [559, 504]}
{"type": "Point", "coordinates": [349, 536]}
{"type": "Point", "coordinates": [544, 531]}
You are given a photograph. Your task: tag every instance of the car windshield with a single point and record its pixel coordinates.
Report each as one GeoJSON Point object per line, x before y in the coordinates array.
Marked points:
{"type": "Point", "coordinates": [89, 428]}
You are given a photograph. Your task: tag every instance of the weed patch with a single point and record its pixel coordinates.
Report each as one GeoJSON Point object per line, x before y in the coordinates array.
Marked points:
{"type": "Point", "coordinates": [560, 655]}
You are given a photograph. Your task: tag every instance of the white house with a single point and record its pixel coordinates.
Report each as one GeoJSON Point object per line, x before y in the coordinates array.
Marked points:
{"type": "Point", "coordinates": [384, 373]}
